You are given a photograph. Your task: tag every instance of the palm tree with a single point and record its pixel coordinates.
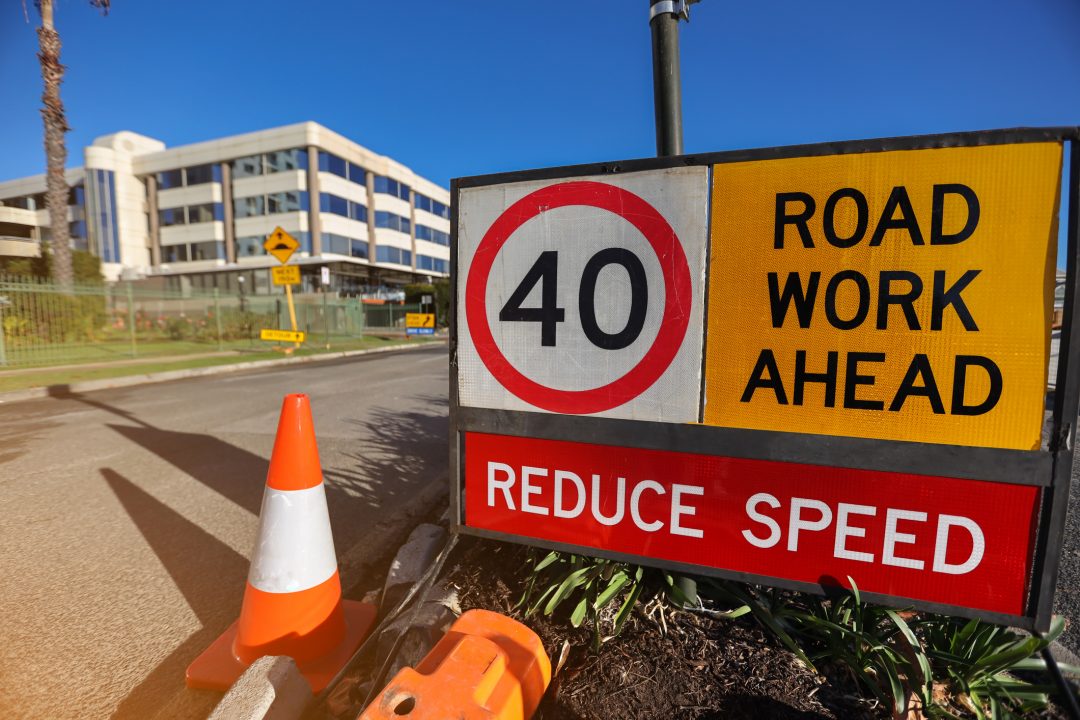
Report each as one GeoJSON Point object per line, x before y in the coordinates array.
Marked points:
{"type": "Point", "coordinates": [56, 189]}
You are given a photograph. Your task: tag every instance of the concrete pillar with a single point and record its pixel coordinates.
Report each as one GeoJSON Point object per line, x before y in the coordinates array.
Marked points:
{"type": "Point", "coordinates": [227, 201]}
{"type": "Point", "coordinates": [152, 213]}
{"type": "Point", "coordinates": [371, 216]}
{"type": "Point", "coordinates": [412, 225]}
{"type": "Point", "coordinates": [314, 223]}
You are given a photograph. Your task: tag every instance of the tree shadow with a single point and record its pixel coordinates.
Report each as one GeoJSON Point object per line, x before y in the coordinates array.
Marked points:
{"type": "Point", "coordinates": [208, 573]}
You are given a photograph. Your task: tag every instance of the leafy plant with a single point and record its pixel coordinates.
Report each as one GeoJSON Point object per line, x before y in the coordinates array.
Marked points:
{"type": "Point", "coordinates": [977, 661]}
{"type": "Point", "coordinates": [592, 585]}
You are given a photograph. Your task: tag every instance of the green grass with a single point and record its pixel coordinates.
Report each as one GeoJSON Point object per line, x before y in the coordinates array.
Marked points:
{"type": "Point", "coordinates": [74, 373]}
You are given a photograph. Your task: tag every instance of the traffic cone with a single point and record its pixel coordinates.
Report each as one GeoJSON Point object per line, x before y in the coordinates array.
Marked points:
{"type": "Point", "coordinates": [292, 602]}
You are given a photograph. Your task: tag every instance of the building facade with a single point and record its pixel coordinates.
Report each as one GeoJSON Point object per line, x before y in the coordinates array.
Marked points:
{"type": "Point", "coordinates": [196, 216]}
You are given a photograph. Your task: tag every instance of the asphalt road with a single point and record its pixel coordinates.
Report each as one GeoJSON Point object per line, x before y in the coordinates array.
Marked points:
{"type": "Point", "coordinates": [127, 518]}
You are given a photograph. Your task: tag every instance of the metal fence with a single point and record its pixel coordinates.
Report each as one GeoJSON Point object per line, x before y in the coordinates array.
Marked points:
{"type": "Point", "coordinates": [40, 325]}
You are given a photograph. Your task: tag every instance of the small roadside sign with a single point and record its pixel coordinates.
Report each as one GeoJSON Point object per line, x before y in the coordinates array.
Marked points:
{"type": "Point", "coordinates": [281, 245]}
{"type": "Point", "coordinates": [286, 275]}
{"type": "Point", "coordinates": [425, 299]}
{"type": "Point", "coordinates": [281, 336]}
{"type": "Point", "coordinates": [419, 323]}
{"type": "Point", "coordinates": [324, 276]}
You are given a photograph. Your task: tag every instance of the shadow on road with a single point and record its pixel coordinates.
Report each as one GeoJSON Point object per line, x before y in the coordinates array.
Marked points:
{"type": "Point", "coordinates": [208, 573]}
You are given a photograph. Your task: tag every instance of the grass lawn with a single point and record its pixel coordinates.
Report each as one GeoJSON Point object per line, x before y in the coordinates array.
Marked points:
{"type": "Point", "coordinates": [74, 373]}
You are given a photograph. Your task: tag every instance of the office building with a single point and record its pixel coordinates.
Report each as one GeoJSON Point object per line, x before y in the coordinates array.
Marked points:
{"type": "Point", "coordinates": [195, 216]}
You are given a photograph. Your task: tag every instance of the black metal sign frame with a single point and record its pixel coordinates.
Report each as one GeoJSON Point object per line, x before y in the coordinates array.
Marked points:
{"type": "Point", "coordinates": [1050, 467]}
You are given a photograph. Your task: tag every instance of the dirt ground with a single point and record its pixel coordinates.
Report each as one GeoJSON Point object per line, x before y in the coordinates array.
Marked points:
{"type": "Point", "coordinates": [701, 667]}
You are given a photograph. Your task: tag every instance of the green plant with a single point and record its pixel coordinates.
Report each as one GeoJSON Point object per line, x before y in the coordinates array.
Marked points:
{"type": "Point", "coordinates": [977, 663]}
{"type": "Point", "coordinates": [592, 585]}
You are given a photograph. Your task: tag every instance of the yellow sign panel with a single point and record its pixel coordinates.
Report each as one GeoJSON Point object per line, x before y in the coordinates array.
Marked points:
{"type": "Point", "coordinates": [281, 245]}
{"type": "Point", "coordinates": [899, 295]}
{"type": "Point", "coordinates": [286, 275]}
{"type": "Point", "coordinates": [419, 320]}
{"type": "Point", "coordinates": [281, 336]}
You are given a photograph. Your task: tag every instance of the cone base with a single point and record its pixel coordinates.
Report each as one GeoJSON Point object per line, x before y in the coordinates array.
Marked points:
{"type": "Point", "coordinates": [217, 668]}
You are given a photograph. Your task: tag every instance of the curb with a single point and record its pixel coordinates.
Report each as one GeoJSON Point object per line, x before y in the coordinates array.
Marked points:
{"type": "Point", "coordinates": [165, 376]}
{"type": "Point", "coordinates": [271, 689]}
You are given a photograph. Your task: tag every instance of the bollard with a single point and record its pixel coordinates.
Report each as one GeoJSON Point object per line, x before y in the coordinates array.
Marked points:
{"type": "Point", "coordinates": [486, 667]}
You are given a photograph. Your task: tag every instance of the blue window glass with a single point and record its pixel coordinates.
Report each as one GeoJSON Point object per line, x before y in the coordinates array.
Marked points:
{"type": "Point", "coordinates": [77, 229]}
{"type": "Point", "coordinates": [406, 257]}
{"type": "Point", "coordinates": [174, 253]}
{"type": "Point", "coordinates": [337, 244]}
{"type": "Point", "coordinates": [332, 164]}
{"type": "Point", "coordinates": [170, 179]}
{"type": "Point", "coordinates": [249, 206]}
{"type": "Point", "coordinates": [305, 241]}
{"type": "Point", "coordinates": [437, 208]}
{"type": "Point", "coordinates": [201, 174]}
{"type": "Point", "coordinates": [250, 166]}
{"type": "Point", "coordinates": [357, 174]}
{"type": "Point", "coordinates": [251, 246]}
{"type": "Point", "coordinates": [206, 212]}
{"type": "Point", "coordinates": [283, 160]}
{"type": "Point", "coordinates": [357, 211]}
{"type": "Point", "coordinates": [423, 202]}
{"type": "Point", "coordinates": [333, 204]}
{"type": "Point", "coordinates": [291, 201]}
{"type": "Point", "coordinates": [391, 187]}
{"type": "Point", "coordinates": [423, 232]}
{"type": "Point", "coordinates": [359, 249]}
{"type": "Point", "coordinates": [211, 250]}
{"type": "Point", "coordinates": [171, 216]}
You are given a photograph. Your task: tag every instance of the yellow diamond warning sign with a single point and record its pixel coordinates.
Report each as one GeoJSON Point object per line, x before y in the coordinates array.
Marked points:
{"type": "Point", "coordinates": [901, 295]}
{"type": "Point", "coordinates": [281, 245]}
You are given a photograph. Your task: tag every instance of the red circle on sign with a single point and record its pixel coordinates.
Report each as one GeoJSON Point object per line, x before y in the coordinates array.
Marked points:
{"type": "Point", "coordinates": [678, 296]}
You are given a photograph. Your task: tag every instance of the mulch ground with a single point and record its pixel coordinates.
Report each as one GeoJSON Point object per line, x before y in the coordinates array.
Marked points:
{"type": "Point", "coordinates": [685, 666]}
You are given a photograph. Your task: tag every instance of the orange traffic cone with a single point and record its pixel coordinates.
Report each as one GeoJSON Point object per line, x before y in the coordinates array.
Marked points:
{"type": "Point", "coordinates": [292, 602]}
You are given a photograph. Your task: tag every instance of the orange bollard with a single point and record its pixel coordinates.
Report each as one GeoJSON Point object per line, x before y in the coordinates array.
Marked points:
{"type": "Point", "coordinates": [292, 602]}
{"type": "Point", "coordinates": [486, 667]}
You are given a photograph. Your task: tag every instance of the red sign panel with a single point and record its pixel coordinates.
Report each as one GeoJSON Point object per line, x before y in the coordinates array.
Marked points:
{"type": "Point", "coordinates": [934, 539]}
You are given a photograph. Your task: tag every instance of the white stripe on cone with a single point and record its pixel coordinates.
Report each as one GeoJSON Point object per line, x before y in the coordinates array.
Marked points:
{"type": "Point", "coordinates": [295, 550]}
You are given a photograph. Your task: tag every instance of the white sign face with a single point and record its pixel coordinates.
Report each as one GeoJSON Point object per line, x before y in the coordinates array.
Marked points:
{"type": "Point", "coordinates": [584, 295]}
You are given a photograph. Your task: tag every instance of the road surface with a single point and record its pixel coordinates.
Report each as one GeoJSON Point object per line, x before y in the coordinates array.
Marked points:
{"type": "Point", "coordinates": [127, 518]}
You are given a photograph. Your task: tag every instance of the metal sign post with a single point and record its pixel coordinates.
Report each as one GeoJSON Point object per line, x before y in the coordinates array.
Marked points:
{"type": "Point", "coordinates": [787, 366]}
{"type": "Point", "coordinates": [282, 245]}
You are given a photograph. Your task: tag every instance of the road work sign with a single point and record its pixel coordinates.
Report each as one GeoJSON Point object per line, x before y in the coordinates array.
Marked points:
{"type": "Point", "coordinates": [281, 336]}
{"type": "Point", "coordinates": [789, 366]}
{"type": "Point", "coordinates": [419, 323]}
{"type": "Point", "coordinates": [899, 295]}
{"type": "Point", "coordinates": [286, 274]}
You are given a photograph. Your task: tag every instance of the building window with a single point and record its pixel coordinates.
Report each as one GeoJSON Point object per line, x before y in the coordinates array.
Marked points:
{"type": "Point", "coordinates": [391, 221]}
{"type": "Point", "coordinates": [174, 253]}
{"type": "Point", "coordinates": [357, 174]}
{"type": "Point", "coordinates": [291, 201]}
{"type": "Point", "coordinates": [170, 179]}
{"type": "Point", "coordinates": [423, 232]}
{"type": "Point", "coordinates": [202, 174]}
{"type": "Point", "coordinates": [434, 207]}
{"type": "Point", "coordinates": [359, 249]}
{"type": "Point", "coordinates": [249, 206]}
{"type": "Point", "coordinates": [250, 166]}
{"type": "Point", "coordinates": [389, 186]}
{"type": "Point", "coordinates": [251, 246]}
{"type": "Point", "coordinates": [284, 160]}
{"type": "Point", "coordinates": [171, 216]}
{"type": "Point", "coordinates": [333, 164]}
{"type": "Point", "coordinates": [333, 204]}
{"type": "Point", "coordinates": [431, 264]}
{"type": "Point", "coordinates": [212, 250]}
{"type": "Point", "coordinates": [388, 254]}
{"type": "Point", "coordinates": [206, 212]}
{"type": "Point", "coordinates": [357, 211]}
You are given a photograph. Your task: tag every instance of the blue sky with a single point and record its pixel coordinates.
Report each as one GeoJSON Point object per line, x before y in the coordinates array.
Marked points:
{"type": "Point", "coordinates": [461, 87]}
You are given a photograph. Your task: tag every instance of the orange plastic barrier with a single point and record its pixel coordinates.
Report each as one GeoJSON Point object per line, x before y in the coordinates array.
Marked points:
{"type": "Point", "coordinates": [292, 602]}
{"type": "Point", "coordinates": [486, 667]}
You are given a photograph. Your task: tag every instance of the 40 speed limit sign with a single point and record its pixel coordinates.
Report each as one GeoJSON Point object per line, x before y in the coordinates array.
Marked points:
{"type": "Point", "coordinates": [797, 366]}
{"type": "Point", "coordinates": [584, 296]}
